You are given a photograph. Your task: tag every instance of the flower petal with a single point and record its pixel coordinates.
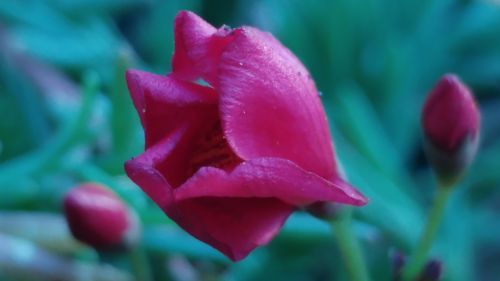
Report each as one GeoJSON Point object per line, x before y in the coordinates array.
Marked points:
{"type": "Point", "coordinates": [216, 221]}
{"type": "Point", "coordinates": [167, 105]}
{"type": "Point", "coordinates": [238, 211]}
{"type": "Point", "coordinates": [270, 106]}
{"type": "Point", "coordinates": [168, 163]}
{"type": "Point", "coordinates": [198, 46]}
{"type": "Point", "coordinates": [142, 169]}
{"type": "Point", "coordinates": [234, 226]}
{"type": "Point", "coordinates": [164, 102]}
{"type": "Point", "coordinates": [269, 178]}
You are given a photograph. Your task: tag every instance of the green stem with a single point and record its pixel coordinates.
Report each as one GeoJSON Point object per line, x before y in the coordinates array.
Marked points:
{"type": "Point", "coordinates": [349, 247]}
{"type": "Point", "coordinates": [49, 155]}
{"type": "Point", "coordinates": [419, 255]}
{"type": "Point", "coordinates": [124, 120]}
{"type": "Point", "coordinates": [139, 264]}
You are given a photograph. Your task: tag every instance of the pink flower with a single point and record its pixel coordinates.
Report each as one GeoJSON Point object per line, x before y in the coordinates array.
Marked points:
{"type": "Point", "coordinates": [229, 162]}
{"type": "Point", "coordinates": [451, 124]}
{"type": "Point", "coordinates": [97, 217]}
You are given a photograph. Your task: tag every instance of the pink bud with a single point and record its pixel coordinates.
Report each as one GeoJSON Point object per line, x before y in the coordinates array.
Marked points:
{"type": "Point", "coordinates": [451, 123]}
{"type": "Point", "coordinates": [97, 217]}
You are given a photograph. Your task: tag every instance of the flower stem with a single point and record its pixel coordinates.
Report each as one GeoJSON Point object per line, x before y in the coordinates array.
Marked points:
{"type": "Point", "coordinates": [419, 255]}
{"type": "Point", "coordinates": [139, 264]}
{"type": "Point", "coordinates": [349, 247]}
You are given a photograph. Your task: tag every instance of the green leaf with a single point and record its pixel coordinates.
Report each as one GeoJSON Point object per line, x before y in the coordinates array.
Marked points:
{"type": "Point", "coordinates": [390, 208]}
{"type": "Point", "coordinates": [89, 43]}
{"type": "Point", "coordinates": [361, 126]}
{"type": "Point", "coordinates": [172, 240]}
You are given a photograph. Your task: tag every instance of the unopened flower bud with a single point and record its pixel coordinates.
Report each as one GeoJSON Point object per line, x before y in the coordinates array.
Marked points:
{"type": "Point", "coordinates": [99, 218]}
{"type": "Point", "coordinates": [432, 271]}
{"type": "Point", "coordinates": [451, 123]}
{"type": "Point", "coordinates": [398, 261]}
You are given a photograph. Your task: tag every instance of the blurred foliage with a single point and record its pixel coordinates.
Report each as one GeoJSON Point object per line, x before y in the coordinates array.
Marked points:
{"type": "Point", "coordinates": [66, 118]}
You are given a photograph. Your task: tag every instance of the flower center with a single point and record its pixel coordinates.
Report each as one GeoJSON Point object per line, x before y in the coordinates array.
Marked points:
{"type": "Point", "coordinates": [211, 149]}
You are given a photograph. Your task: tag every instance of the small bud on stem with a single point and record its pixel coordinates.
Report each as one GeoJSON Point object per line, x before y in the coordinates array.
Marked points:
{"type": "Point", "coordinates": [97, 217]}
{"type": "Point", "coordinates": [451, 125]}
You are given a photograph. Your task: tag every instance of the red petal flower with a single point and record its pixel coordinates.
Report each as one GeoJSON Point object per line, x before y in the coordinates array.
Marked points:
{"type": "Point", "coordinates": [97, 217]}
{"type": "Point", "coordinates": [231, 161]}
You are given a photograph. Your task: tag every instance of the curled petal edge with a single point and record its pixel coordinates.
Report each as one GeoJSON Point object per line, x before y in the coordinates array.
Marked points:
{"type": "Point", "coordinates": [269, 178]}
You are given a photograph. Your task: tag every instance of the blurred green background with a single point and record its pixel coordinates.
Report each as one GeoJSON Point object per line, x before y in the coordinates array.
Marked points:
{"type": "Point", "coordinates": [66, 118]}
